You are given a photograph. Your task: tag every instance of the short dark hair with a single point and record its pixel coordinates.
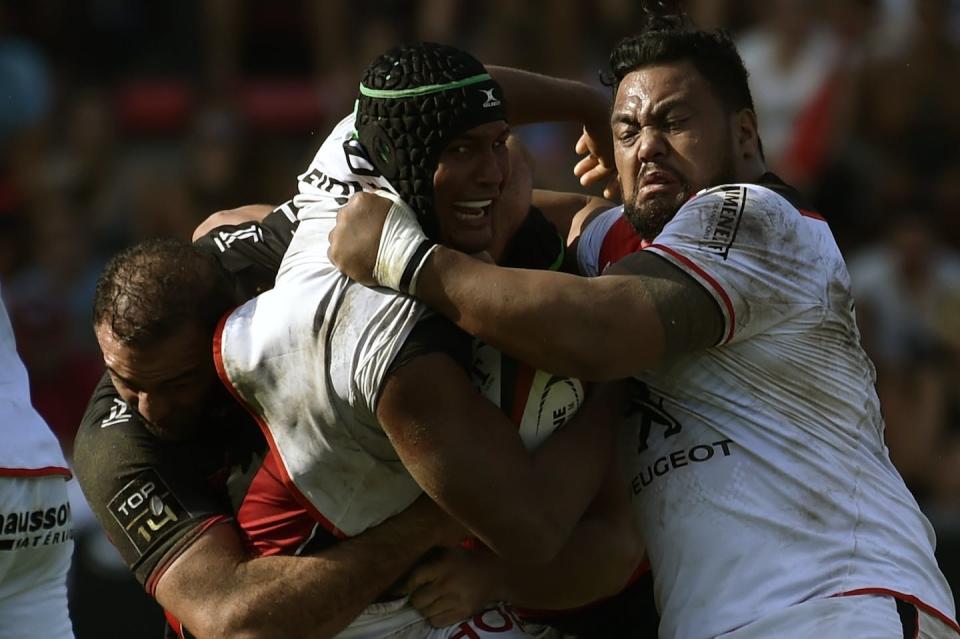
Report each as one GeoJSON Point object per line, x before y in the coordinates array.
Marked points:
{"type": "Point", "coordinates": [674, 39]}
{"type": "Point", "coordinates": [150, 290]}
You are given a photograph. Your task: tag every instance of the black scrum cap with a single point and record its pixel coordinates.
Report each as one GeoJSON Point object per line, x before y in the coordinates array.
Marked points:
{"type": "Point", "coordinates": [413, 101]}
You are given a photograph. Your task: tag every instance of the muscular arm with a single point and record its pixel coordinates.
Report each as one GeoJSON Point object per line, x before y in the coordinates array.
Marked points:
{"type": "Point", "coordinates": [466, 455]}
{"type": "Point", "coordinates": [532, 97]}
{"type": "Point", "coordinates": [600, 328]}
{"type": "Point", "coordinates": [569, 212]}
{"type": "Point", "coordinates": [249, 213]}
{"type": "Point", "coordinates": [596, 562]}
{"type": "Point", "coordinates": [217, 590]}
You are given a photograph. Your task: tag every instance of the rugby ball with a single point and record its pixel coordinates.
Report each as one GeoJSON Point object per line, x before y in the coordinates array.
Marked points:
{"type": "Point", "coordinates": [536, 401]}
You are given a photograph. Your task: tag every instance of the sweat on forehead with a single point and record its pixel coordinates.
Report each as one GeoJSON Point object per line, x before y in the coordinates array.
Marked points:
{"type": "Point", "coordinates": [414, 100]}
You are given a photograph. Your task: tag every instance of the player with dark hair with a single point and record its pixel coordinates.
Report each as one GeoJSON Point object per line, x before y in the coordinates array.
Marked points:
{"type": "Point", "coordinates": [156, 560]}
{"type": "Point", "coordinates": [161, 299]}
{"type": "Point", "coordinates": [755, 458]}
{"type": "Point", "coordinates": [380, 395]}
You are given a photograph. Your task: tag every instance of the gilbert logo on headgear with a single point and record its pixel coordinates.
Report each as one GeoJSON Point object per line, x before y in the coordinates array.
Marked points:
{"type": "Point", "coordinates": [491, 100]}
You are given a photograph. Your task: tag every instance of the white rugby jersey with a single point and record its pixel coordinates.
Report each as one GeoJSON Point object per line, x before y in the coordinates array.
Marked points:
{"type": "Point", "coordinates": [757, 468]}
{"type": "Point", "coordinates": [308, 359]}
{"type": "Point", "coordinates": [29, 447]}
{"type": "Point", "coordinates": [338, 170]}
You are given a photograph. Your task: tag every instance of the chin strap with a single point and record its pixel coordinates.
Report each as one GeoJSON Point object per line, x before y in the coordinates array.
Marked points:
{"type": "Point", "coordinates": [403, 250]}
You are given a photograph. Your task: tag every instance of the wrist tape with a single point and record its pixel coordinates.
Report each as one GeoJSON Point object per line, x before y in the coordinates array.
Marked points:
{"type": "Point", "coordinates": [404, 248]}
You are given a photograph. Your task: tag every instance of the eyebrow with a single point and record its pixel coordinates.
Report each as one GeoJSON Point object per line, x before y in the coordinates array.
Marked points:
{"type": "Point", "coordinates": [626, 117]}
{"type": "Point", "coordinates": [467, 135]}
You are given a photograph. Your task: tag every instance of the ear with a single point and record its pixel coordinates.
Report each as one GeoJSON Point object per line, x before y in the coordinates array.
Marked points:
{"type": "Point", "coordinates": [746, 134]}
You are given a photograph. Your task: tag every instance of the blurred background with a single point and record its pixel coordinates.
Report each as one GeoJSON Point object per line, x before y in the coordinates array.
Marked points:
{"type": "Point", "coordinates": [123, 119]}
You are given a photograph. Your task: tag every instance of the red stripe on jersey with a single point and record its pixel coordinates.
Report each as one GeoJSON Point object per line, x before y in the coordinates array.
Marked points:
{"type": "Point", "coordinates": [709, 280]}
{"type": "Point", "coordinates": [813, 214]}
{"type": "Point", "coordinates": [271, 517]}
{"type": "Point", "coordinates": [620, 241]}
{"type": "Point", "coordinates": [46, 471]}
{"type": "Point", "coordinates": [910, 599]}
{"type": "Point", "coordinates": [265, 429]}
{"type": "Point", "coordinates": [175, 624]}
{"type": "Point", "coordinates": [524, 382]}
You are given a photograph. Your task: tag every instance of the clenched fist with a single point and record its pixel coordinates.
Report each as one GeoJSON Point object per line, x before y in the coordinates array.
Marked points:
{"type": "Point", "coordinates": [355, 240]}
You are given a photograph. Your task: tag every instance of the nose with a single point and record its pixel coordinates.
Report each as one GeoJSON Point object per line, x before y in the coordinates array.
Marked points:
{"type": "Point", "coordinates": [652, 145]}
{"type": "Point", "coordinates": [493, 167]}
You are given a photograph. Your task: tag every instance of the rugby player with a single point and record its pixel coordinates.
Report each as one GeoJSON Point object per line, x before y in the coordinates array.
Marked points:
{"type": "Point", "coordinates": [755, 459]}
{"type": "Point", "coordinates": [36, 536]}
{"type": "Point", "coordinates": [181, 417]}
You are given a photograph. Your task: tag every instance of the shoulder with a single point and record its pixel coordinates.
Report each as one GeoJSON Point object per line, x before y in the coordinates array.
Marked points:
{"type": "Point", "coordinates": [339, 169]}
{"type": "Point", "coordinates": [739, 215]}
{"type": "Point", "coordinates": [608, 238]}
{"type": "Point", "coordinates": [106, 419]}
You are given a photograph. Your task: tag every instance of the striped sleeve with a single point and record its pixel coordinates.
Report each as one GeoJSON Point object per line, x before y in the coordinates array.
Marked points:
{"type": "Point", "coordinates": [753, 252]}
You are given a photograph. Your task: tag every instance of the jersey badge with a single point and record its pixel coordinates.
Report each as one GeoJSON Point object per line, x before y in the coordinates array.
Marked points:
{"type": "Point", "coordinates": [119, 414]}
{"type": "Point", "coordinates": [723, 220]}
{"type": "Point", "coordinates": [145, 508]}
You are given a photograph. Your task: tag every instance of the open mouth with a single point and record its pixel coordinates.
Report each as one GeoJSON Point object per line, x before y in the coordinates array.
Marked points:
{"type": "Point", "coordinates": [657, 181]}
{"type": "Point", "coordinates": [473, 209]}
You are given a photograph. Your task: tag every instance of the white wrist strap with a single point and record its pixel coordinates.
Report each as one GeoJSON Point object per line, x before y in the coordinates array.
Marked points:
{"type": "Point", "coordinates": [403, 248]}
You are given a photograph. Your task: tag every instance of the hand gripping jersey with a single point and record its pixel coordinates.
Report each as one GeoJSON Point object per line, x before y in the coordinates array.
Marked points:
{"type": "Point", "coordinates": [308, 358]}
{"type": "Point", "coordinates": [757, 468]}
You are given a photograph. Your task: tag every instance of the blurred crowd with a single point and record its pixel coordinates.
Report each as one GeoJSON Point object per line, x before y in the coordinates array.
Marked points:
{"type": "Point", "coordinates": [123, 120]}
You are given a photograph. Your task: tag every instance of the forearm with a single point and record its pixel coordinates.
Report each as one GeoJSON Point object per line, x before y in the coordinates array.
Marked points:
{"type": "Point", "coordinates": [239, 215]}
{"type": "Point", "coordinates": [588, 442]}
{"type": "Point", "coordinates": [593, 328]}
{"type": "Point", "coordinates": [596, 562]}
{"type": "Point", "coordinates": [532, 97]}
{"type": "Point", "coordinates": [217, 591]}
{"type": "Point", "coordinates": [344, 580]}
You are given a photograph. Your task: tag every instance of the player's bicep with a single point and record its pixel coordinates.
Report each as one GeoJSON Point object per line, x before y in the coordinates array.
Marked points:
{"type": "Point", "coordinates": [460, 448]}
{"type": "Point", "coordinates": [197, 585]}
{"type": "Point", "coordinates": [689, 314]}
{"type": "Point", "coordinates": [569, 212]}
{"type": "Point", "coordinates": [145, 493]}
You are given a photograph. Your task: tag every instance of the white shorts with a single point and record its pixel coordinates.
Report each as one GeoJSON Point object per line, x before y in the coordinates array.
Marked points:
{"type": "Point", "coordinates": [397, 620]}
{"type": "Point", "coordinates": [860, 616]}
{"type": "Point", "coordinates": [36, 544]}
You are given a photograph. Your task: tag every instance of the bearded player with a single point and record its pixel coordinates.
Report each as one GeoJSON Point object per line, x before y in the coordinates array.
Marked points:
{"type": "Point", "coordinates": [225, 238]}
{"type": "Point", "coordinates": [756, 463]}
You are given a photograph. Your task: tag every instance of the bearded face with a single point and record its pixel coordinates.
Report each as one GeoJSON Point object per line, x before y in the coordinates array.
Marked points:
{"type": "Point", "coordinates": [649, 214]}
{"type": "Point", "coordinates": [672, 138]}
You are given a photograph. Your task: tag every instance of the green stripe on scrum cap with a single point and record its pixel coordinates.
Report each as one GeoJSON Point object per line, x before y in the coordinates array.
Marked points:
{"type": "Point", "coordinates": [424, 90]}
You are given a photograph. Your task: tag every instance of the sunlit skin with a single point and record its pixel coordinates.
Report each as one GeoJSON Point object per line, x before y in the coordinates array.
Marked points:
{"type": "Point", "coordinates": [171, 383]}
{"type": "Point", "coordinates": [673, 137]}
{"type": "Point", "coordinates": [168, 383]}
{"type": "Point", "coordinates": [472, 169]}
{"type": "Point", "coordinates": [511, 209]}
